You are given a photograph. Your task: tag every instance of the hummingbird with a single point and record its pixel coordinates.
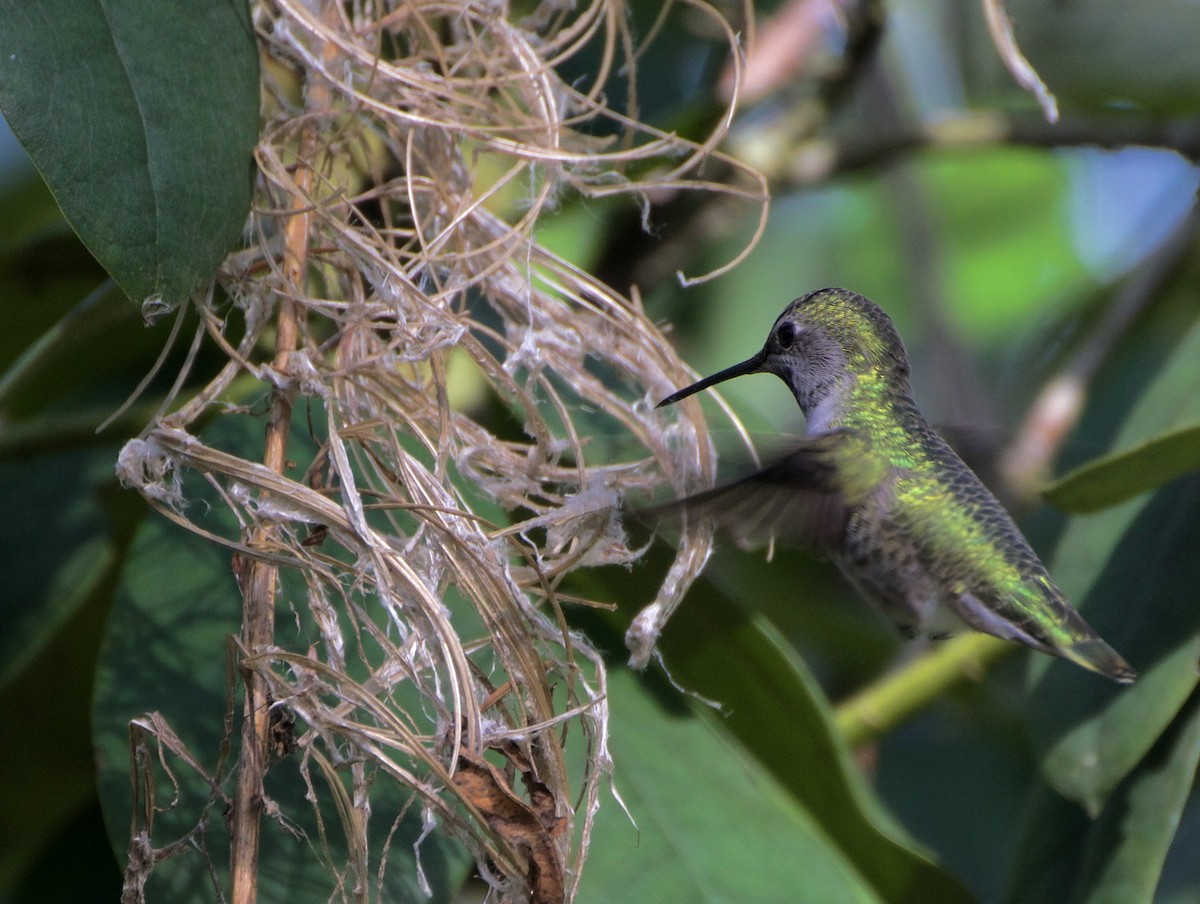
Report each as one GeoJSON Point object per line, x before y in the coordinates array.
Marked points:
{"type": "Point", "coordinates": [873, 486]}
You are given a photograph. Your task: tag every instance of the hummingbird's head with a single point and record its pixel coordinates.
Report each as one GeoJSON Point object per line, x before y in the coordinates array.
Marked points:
{"type": "Point", "coordinates": [820, 345]}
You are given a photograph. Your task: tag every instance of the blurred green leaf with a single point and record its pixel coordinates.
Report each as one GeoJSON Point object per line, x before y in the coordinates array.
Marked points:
{"type": "Point", "coordinates": [1106, 54]}
{"type": "Point", "coordinates": [1132, 838]}
{"type": "Point", "coordinates": [1087, 762]}
{"type": "Point", "coordinates": [775, 709]}
{"type": "Point", "coordinates": [60, 541]}
{"type": "Point", "coordinates": [36, 616]}
{"type": "Point", "coordinates": [957, 775]}
{"type": "Point", "coordinates": [1116, 477]}
{"type": "Point", "coordinates": [50, 633]}
{"type": "Point", "coordinates": [142, 119]}
{"type": "Point", "coordinates": [93, 878]}
{"type": "Point", "coordinates": [44, 269]}
{"type": "Point", "coordinates": [66, 359]}
{"type": "Point", "coordinates": [711, 826]}
{"type": "Point", "coordinates": [30, 211]}
{"type": "Point", "coordinates": [1135, 570]}
{"type": "Point", "coordinates": [771, 708]}
{"type": "Point", "coordinates": [1117, 858]}
{"type": "Point", "coordinates": [65, 524]}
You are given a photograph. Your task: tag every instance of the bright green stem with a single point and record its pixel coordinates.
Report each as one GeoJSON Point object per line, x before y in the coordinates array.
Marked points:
{"type": "Point", "coordinates": [882, 706]}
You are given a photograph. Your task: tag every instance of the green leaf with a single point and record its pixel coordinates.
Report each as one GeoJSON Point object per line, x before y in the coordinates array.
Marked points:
{"type": "Point", "coordinates": [1129, 845]}
{"type": "Point", "coordinates": [771, 708]}
{"type": "Point", "coordinates": [1106, 54]}
{"type": "Point", "coordinates": [100, 332]}
{"type": "Point", "coordinates": [957, 774]}
{"type": "Point", "coordinates": [1118, 857]}
{"type": "Point", "coordinates": [995, 211]}
{"type": "Point", "coordinates": [1122, 475]}
{"type": "Point", "coordinates": [712, 827]}
{"type": "Point", "coordinates": [47, 772]}
{"type": "Point", "coordinates": [44, 268]}
{"type": "Point", "coordinates": [1087, 762]}
{"type": "Point", "coordinates": [59, 542]}
{"type": "Point", "coordinates": [142, 118]}
{"type": "Point", "coordinates": [1135, 570]}
{"type": "Point", "coordinates": [772, 705]}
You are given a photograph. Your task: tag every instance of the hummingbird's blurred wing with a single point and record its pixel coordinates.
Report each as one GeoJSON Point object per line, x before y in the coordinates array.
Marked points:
{"type": "Point", "coordinates": [803, 499]}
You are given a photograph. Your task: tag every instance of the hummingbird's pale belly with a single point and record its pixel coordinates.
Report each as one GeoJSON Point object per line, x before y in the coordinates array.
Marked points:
{"type": "Point", "coordinates": [884, 566]}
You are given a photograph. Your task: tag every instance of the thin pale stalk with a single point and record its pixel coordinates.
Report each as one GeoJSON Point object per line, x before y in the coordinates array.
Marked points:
{"type": "Point", "coordinates": [258, 611]}
{"type": "Point", "coordinates": [896, 698]}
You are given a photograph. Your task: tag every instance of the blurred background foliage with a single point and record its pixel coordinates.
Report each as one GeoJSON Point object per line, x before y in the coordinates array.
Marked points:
{"type": "Point", "coordinates": [1016, 257]}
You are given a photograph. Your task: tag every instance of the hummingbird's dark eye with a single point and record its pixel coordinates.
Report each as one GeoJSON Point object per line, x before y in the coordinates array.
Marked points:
{"type": "Point", "coordinates": [785, 335]}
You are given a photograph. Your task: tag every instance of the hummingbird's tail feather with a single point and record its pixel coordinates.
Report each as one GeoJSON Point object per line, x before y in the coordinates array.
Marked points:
{"type": "Point", "coordinates": [1071, 638]}
{"type": "Point", "coordinates": [1095, 655]}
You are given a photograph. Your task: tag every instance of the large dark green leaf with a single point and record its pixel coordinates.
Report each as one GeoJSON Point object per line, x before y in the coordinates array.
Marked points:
{"type": "Point", "coordinates": [1117, 858]}
{"type": "Point", "coordinates": [712, 827]}
{"type": "Point", "coordinates": [1135, 569]}
{"type": "Point", "coordinates": [141, 118]}
{"type": "Point", "coordinates": [773, 707]}
{"type": "Point", "coordinates": [1092, 733]}
{"type": "Point", "coordinates": [57, 545]}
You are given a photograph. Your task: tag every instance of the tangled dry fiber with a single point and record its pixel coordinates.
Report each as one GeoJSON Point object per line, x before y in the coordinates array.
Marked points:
{"type": "Point", "coordinates": [377, 273]}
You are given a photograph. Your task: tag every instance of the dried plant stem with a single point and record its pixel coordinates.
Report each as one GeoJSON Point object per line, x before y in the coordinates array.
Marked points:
{"type": "Point", "coordinates": [1054, 414]}
{"type": "Point", "coordinates": [1025, 75]}
{"type": "Point", "coordinates": [258, 611]}
{"type": "Point", "coordinates": [386, 256]}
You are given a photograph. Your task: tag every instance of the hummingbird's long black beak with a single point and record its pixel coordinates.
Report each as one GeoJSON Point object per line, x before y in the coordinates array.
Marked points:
{"type": "Point", "coordinates": [751, 366]}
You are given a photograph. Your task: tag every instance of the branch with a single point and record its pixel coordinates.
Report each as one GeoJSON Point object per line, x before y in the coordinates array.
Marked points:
{"type": "Point", "coordinates": [821, 158]}
{"type": "Point", "coordinates": [880, 707]}
{"type": "Point", "coordinates": [1059, 406]}
{"type": "Point", "coordinates": [258, 607]}
{"type": "Point", "coordinates": [1025, 75]}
